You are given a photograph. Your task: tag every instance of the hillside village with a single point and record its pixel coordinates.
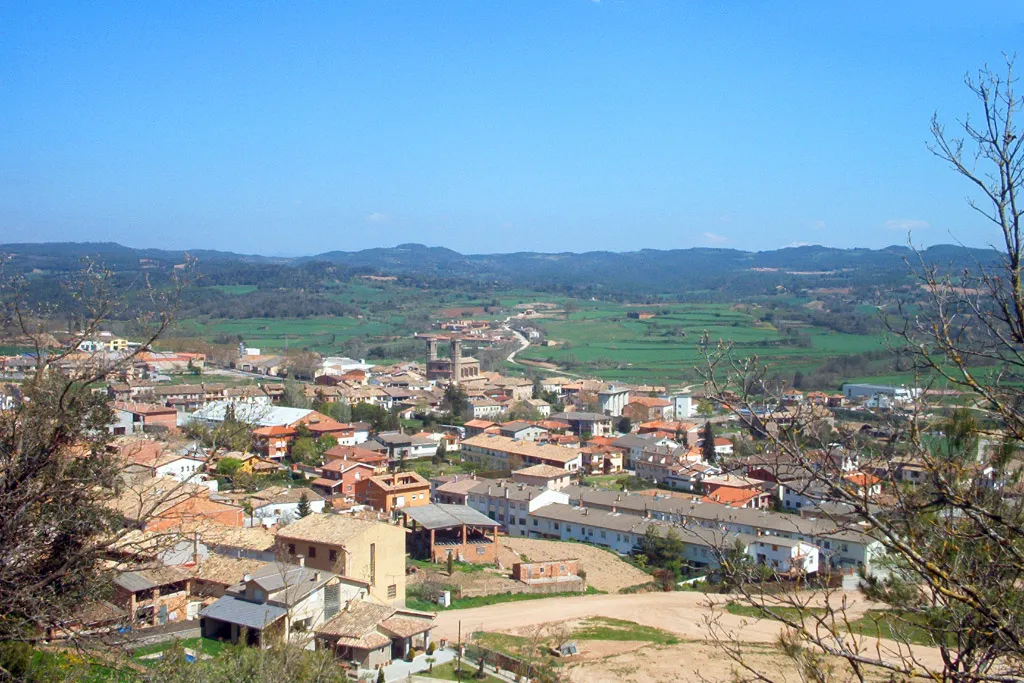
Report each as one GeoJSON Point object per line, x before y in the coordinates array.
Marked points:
{"type": "Point", "coordinates": [330, 513]}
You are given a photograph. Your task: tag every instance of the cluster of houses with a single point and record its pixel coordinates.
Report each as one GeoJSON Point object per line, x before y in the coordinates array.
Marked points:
{"type": "Point", "coordinates": [320, 561]}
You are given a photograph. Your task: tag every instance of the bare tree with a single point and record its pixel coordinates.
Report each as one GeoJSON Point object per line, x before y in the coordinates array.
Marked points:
{"type": "Point", "coordinates": [935, 490]}
{"type": "Point", "coordinates": [58, 480]}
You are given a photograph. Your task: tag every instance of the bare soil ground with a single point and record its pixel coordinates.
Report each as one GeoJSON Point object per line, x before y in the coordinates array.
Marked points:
{"type": "Point", "coordinates": [605, 571]}
{"type": "Point", "coordinates": [683, 613]}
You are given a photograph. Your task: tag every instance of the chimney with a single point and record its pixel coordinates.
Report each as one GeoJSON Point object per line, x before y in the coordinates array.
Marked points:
{"type": "Point", "coordinates": [316, 576]}
{"type": "Point", "coordinates": [506, 492]}
{"type": "Point", "coordinates": [302, 560]}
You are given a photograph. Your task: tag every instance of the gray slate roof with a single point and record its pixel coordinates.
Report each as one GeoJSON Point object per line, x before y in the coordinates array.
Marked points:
{"type": "Point", "coordinates": [244, 613]}
{"type": "Point", "coordinates": [441, 516]}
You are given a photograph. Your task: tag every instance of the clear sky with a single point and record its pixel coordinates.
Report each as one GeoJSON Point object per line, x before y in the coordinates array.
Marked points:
{"type": "Point", "coordinates": [488, 125]}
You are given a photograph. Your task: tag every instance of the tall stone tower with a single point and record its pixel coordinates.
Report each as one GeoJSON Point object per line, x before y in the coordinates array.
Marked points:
{"type": "Point", "coordinates": [456, 360]}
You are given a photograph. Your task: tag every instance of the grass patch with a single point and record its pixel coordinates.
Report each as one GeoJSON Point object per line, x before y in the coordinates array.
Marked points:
{"type": "Point", "coordinates": [206, 646]}
{"type": "Point", "coordinates": [514, 646]}
{"type": "Point", "coordinates": [757, 612]}
{"type": "Point", "coordinates": [605, 628]}
{"type": "Point", "coordinates": [465, 567]}
{"type": "Point", "coordinates": [484, 600]}
{"type": "Point", "coordinates": [904, 627]}
{"type": "Point", "coordinates": [447, 672]}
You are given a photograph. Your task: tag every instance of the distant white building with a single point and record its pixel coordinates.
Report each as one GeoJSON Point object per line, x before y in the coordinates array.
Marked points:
{"type": "Point", "coordinates": [612, 400]}
{"type": "Point", "coordinates": [683, 406]}
{"type": "Point", "coordinates": [898, 395]}
{"type": "Point", "coordinates": [334, 366]}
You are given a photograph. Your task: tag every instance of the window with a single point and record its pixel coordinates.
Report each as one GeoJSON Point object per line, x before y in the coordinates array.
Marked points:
{"type": "Point", "coordinates": [312, 551]}
{"type": "Point", "coordinates": [291, 548]}
{"type": "Point", "coordinates": [522, 521]}
{"type": "Point", "coordinates": [568, 528]}
{"type": "Point", "coordinates": [556, 526]}
{"type": "Point", "coordinates": [535, 523]}
{"type": "Point", "coordinates": [392, 591]}
{"type": "Point", "coordinates": [332, 554]}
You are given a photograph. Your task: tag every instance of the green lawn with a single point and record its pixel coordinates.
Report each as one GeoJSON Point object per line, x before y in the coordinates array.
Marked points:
{"type": "Point", "coordinates": [447, 672]}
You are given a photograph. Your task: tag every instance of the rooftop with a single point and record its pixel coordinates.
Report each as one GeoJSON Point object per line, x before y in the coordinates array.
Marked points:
{"type": "Point", "coordinates": [523, 448]}
{"type": "Point", "coordinates": [332, 529]}
{"type": "Point", "coordinates": [440, 516]}
{"type": "Point", "coordinates": [542, 471]}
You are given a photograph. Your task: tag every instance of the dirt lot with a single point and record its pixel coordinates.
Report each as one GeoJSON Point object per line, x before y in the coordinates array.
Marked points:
{"type": "Point", "coordinates": [682, 613]}
{"type": "Point", "coordinates": [605, 571]}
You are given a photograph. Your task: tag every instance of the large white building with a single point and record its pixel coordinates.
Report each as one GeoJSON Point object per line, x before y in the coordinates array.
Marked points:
{"type": "Point", "coordinates": [702, 546]}
{"type": "Point", "coordinates": [613, 400]}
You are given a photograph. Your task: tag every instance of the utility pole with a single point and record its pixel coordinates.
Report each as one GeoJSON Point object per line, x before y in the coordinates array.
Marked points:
{"type": "Point", "coordinates": [458, 654]}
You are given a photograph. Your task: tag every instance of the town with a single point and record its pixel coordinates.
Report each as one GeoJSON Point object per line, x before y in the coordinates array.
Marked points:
{"type": "Point", "coordinates": [351, 513]}
{"type": "Point", "coordinates": [511, 342]}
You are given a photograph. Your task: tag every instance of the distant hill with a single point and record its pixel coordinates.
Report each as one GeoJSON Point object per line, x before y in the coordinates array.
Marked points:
{"type": "Point", "coordinates": [649, 271]}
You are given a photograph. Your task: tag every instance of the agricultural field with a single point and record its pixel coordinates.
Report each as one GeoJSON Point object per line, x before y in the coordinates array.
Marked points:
{"type": "Point", "coordinates": [600, 339]}
{"type": "Point", "coordinates": [278, 334]}
{"type": "Point", "coordinates": [595, 338]}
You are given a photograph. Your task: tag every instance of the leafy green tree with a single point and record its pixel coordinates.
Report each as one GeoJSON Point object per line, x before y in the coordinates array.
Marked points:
{"type": "Point", "coordinates": [456, 403]}
{"type": "Point", "coordinates": [521, 410]}
{"type": "Point", "coordinates": [707, 445]}
{"type": "Point", "coordinates": [295, 395]}
{"type": "Point", "coordinates": [227, 467]}
{"type": "Point", "coordinates": [304, 450]}
{"type": "Point", "coordinates": [441, 453]}
{"type": "Point", "coordinates": [249, 511]}
{"type": "Point", "coordinates": [304, 508]}
{"type": "Point", "coordinates": [624, 425]}
{"type": "Point", "coordinates": [376, 416]}
{"type": "Point", "coordinates": [326, 443]}
{"type": "Point", "coordinates": [338, 410]}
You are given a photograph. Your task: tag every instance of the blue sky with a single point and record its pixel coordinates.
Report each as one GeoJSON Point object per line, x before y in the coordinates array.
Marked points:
{"type": "Point", "coordinates": [488, 126]}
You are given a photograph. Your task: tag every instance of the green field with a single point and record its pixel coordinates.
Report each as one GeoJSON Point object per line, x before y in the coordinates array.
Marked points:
{"type": "Point", "coordinates": [278, 334]}
{"type": "Point", "coordinates": [597, 339]}
{"type": "Point", "coordinates": [601, 340]}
